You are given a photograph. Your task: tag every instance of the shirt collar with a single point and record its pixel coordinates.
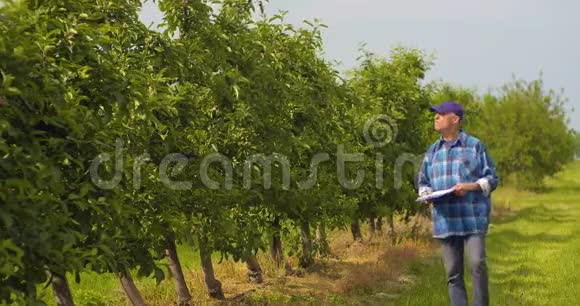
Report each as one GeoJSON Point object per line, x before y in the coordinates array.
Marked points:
{"type": "Point", "coordinates": [459, 141]}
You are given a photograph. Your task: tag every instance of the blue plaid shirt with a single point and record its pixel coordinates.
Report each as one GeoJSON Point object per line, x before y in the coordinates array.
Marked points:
{"type": "Point", "coordinates": [465, 160]}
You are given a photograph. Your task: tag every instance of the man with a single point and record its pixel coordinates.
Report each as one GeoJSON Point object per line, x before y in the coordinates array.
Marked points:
{"type": "Point", "coordinates": [460, 219]}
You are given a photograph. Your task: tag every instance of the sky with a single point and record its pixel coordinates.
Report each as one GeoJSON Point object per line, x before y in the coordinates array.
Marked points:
{"type": "Point", "coordinates": [476, 44]}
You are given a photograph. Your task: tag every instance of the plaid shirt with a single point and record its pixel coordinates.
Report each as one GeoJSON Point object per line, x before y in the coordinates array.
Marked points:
{"type": "Point", "coordinates": [464, 161]}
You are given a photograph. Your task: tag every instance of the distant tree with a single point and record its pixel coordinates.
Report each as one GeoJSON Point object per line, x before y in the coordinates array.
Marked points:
{"type": "Point", "coordinates": [525, 128]}
{"type": "Point", "coordinates": [577, 141]}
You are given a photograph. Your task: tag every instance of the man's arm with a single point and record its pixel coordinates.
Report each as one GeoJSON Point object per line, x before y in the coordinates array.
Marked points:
{"type": "Point", "coordinates": [488, 181]}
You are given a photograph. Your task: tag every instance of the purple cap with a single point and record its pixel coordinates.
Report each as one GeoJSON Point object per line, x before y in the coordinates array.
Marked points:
{"type": "Point", "coordinates": [448, 107]}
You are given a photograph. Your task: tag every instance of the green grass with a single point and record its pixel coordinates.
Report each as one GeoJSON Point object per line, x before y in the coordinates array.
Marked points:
{"type": "Point", "coordinates": [533, 254]}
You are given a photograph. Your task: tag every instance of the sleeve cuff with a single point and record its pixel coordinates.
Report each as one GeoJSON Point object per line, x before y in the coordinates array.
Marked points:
{"type": "Point", "coordinates": [484, 185]}
{"type": "Point", "coordinates": [424, 189]}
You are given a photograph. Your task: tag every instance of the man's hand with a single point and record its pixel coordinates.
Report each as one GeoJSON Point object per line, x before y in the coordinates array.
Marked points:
{"type": "Point", "coordinates": [462, 189]}
{"type": "Point", "coordinates": [427, 193]}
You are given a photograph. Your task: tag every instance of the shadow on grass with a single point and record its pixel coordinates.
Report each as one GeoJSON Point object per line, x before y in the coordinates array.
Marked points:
{"type": "Point", "coordinates": [539, 213]}
{"type": "Point", "coordinates": [518, 279]}
{"type": "Point", "coordinates": [511, 275]}
{"type": "Point", "coordinates": [563, 189]}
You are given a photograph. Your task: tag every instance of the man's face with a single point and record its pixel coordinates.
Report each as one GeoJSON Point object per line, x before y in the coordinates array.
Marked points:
{"type": "Point", "coordinates": [445, 121]}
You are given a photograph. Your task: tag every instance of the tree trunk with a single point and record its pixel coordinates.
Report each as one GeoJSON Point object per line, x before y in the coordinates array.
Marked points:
{"type": "Point", "coordinates": [392, 234]}
{"type": "Point", "coordinates": [130, 289]}
{"type": "Point", "coordinates": [306, 259]}
{"type": "Point", "coordinates": [380, 225]}
{"type": "Point", "coordinates": [254, 270]}
{"type": "Point", "coordinates": [61, 290]}
{"type": "Point", "coordinates": [183, 295]}
{"type": "Point", "coordinates": [322, 241]}
{"type": "Point", "coordinates": [213, 286]}
{"type": "Point", "coordinates": [372, 228]}
{"type": "Point", "coordinates": [415, 228]}
{"type": "Point", "coordinates": [287, 268]}
{"type": "Point", "coordinates": [355, 229]}
{"type": "Point", "coordinates": [276, 248]}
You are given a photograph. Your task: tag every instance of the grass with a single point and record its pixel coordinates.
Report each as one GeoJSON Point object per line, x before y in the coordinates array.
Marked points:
{"type": "Point", "coordinates": [533, 251]}
{"type": "Point", "coordinates": [104, 289]}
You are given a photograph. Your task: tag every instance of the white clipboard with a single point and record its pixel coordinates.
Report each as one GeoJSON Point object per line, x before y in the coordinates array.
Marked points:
{"type": "Point", "coordinates": [435, 194]}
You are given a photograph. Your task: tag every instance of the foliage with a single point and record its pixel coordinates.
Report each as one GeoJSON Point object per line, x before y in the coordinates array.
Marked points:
{"type": "Point", "coordinates": [80, 79]}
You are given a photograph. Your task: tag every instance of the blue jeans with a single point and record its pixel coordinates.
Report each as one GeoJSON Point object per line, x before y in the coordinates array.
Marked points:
{"type": "Point", "coordinates": [452, 250]}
